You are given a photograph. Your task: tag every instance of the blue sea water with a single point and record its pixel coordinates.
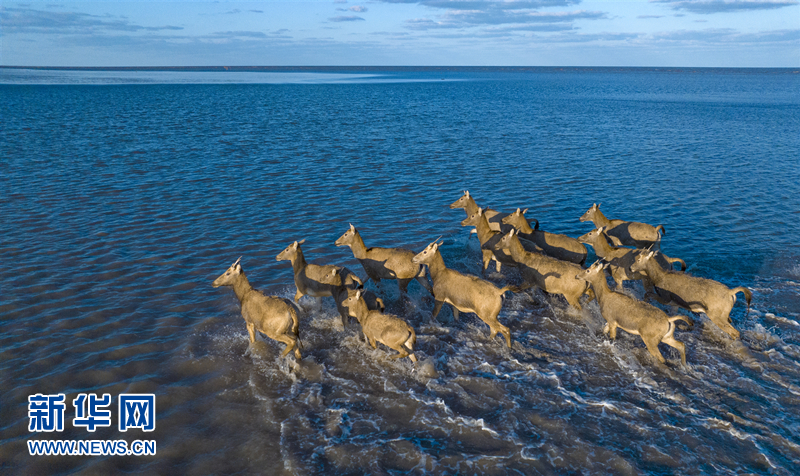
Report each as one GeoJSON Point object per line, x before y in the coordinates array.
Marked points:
{"type": "Point", "coordinates": [124, 194]}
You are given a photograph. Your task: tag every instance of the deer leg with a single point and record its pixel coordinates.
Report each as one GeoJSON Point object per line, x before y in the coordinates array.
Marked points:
{"type": "Point", "coordinates": [507, 334]}
{"type": "Point", "coordinates": [727, 328]}
{"type": "Point", "coordinates": [401, 350]}
{"type": "Point", "coordinates": [612, 331]}
{"type": "Point", "coordinates": [251, 329]}
{"type": "Point", "coordinates": [574, 301]}
{"type": "Point", "coordinates": [403, 284]}
{"type": "Point", "coordinates": [618, 275]}
{"type": "Point", "coordinates": [455, 312]}
{"type": "Point", "coordinates": [497, 265]}
{"type": "Point", "coordinates": [297, 296]}
{"type": "Point", "coordinates": [436, 308]}
{"type": "Point", "coordinates": [652, 347]}
{"type": "Point", "coordinates": [487, 258]}
{"type": "Point", "coordinates": [425, 284]}
{"type": "Point", "coordinates": [670, 341]}
{"type": "Point", "coordinates": [290, 343]}
{"type": "Point", "coordinates": [372, 342]}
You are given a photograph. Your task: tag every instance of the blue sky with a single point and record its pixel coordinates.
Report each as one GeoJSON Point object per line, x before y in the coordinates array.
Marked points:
{"type": "Point", "coordinates": [717, 33]}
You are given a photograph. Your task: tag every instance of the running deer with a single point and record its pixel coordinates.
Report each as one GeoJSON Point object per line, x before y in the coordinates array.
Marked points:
{"type": "Point", "coordinates": [385, 263]}
{"type": "Point", "coordinates": [489, 239]}
{"type": "Point", "coordinates": [341, 293]}
{"type": "Point", "coordinates": [389, 330]}
{"type": "Point", "coordinates": [274, 316]}
{"type": "Point", "coordinates": [551, 275]}
{"type": "Point", "coordinates": [632, 315]}
{"type": "Point", "coordinates": [695, 294]}
{"type": "Point", "coordinates": [627, 233]}
{"type": "Point", "coordinates": [312, 279]}
{"type": "Point", "coordinates": [558, 246]}
{"type": "Point", "coordinates": [463, 292]}
{"type": "Point", "coordinates": [468, 204]}
{"type": "Point", "coordinates": [621, 259]}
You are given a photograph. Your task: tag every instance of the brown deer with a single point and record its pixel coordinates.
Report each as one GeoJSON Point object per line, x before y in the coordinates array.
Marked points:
{"type": "Point", "coordinates": [551, 275]}
{"type": "Point", "coordinates": [632, 315]}
{"type": "Point", "coordinates": [468, 204]}
{"type": "Point", "coordinates": [384, 328]}
{"type": "Point", "coordinates": [626, 233]}
{"type": "Point", "coordinates": [313, 279]}
{"type": "Point", "coordinates": [274, 316]}
{"type": "Point", "coordinates": [385, 263]}
{"type": "Point", "coordinates": [463, 292]}
{"type": "Point", "coordinates": [695, 294]}
{"type": "Point", "coordinates": [558, 246]}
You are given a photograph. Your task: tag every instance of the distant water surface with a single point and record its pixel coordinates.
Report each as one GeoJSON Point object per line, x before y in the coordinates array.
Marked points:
{"type": "Point", "coordinates": [124, 194]}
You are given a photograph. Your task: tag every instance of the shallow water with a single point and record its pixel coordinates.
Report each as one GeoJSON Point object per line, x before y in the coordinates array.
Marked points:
{"type": "Point", "coordinates": [122, 202]}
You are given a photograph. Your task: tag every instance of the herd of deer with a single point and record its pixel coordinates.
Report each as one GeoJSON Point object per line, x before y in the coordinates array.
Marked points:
{"type": "Point", "coordinates": [552, 262]}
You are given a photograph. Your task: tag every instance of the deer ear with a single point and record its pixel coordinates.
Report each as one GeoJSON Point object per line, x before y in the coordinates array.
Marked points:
{"type": "Point", "coordinates": [352, 227]}
{"type": "Point", "coordinates": [466, 192]}
{"type": "Point", "coordinates": [358, 294]}
{"type": "Point", "coordinates": [335, 271]}
{"type": "Point", "coordinates": [518, 212]}
{"type": "Point", "coordinates": [480, 211]}
{"type": "Point", "coordinates": [301, 241]}
{"type": "Point", "coordinates": [524, 211]}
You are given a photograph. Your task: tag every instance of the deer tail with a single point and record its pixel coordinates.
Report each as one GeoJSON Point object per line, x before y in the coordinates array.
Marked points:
{"type": "Point", "coordinates": [663, 230]}
{"type": "Point", "coordinates": [512, 288]}
{"type": "Point", "coordinates": [748, 296]}
{"type": "Point", "coordinates": [677, 260]}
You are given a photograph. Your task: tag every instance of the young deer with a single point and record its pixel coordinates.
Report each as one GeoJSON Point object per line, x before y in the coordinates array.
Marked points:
{"type": "Point", "coordinates": [632, 315]}
{"type": "Point", "coordinates": [274, 316]}
{"type": "Point", "coordinates": [695, 294]}
{"type": "Point", "coordinates": [385, 263]}
{"type": "Point", "coordinates": [463, 292]}
{"type": "Point", "coordinates": [384, 328]}
{"type": "Point", "coordinates": [627, 233]}
{"type": "Point", "coordinates": [558, 246]}
{"type": "Point", "coordinates": [341, 293]}
{"type": "Point", "coordinates": [551, 275]}
{"type": "Point", "coordinates": [468, 204]}
{"type": "Point", "coordinates": [313, 279]}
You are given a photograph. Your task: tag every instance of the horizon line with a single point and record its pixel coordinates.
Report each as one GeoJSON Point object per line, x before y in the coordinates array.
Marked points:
{"type": "Point", "coordinates": [212, 68]}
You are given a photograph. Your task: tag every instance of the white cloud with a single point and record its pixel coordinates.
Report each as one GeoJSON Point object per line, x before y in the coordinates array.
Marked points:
{"type": "Point", "coordinates": [724, 6]}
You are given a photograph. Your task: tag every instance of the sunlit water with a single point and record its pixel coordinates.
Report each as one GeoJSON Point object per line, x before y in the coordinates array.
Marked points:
{"type": "Point", "coordinates": [121, 203]}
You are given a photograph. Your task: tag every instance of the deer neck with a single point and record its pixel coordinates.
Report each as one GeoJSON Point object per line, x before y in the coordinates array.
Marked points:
{"type": "Point", "coordinates": [362, 311]}
{"type": "Point", "coordinates": [484, 232]}
{"type": "Point", "coordinates": [601, 246]}
{"type": "Point", "coordinates": [524, 226]}
{"type": "Point", "coordinates": [599, 219]}
{"type": "Point", "coordinates": [600, 286]}
{"type": "Point", "coordinates": [241, 287]}
{"type": "Point", "coordinates": [471, 207]}
{"type": "Point", "coordinates": [654, 270]}
{"type": "Point", "coordinates": [436, 265]}
{"type": "Point", "coordinates": [299, 261]}
{"type": "Point", "coordinates": [358, 247]}
{"type": "Point", "coordinates": [515, 248]}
